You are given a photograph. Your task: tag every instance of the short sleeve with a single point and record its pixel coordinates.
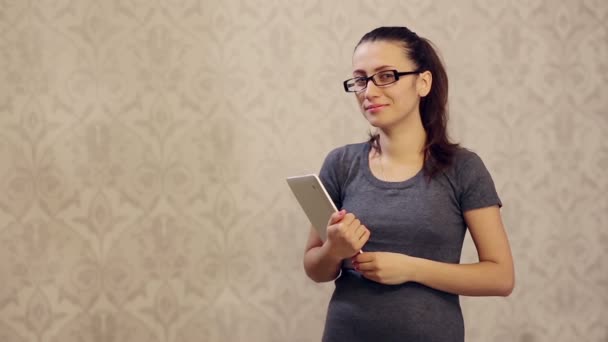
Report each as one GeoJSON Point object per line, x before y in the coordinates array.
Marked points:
{"type": "Point", "coordinates": [330, 175]}
{"type": "Point", "coordinates": [477, 188]}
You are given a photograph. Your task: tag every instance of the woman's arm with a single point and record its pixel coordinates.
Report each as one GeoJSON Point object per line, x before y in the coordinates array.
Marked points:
{"type": "Point", "coordinates": [493, 275]}
{"type": "Point", "coordinates": [319, 265]}
{"type": "Point", "coordinates": [345, 237]}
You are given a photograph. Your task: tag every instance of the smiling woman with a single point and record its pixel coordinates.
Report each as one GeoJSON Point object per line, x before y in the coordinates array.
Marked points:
{"type": "Point", "coordinates": [407, 197]}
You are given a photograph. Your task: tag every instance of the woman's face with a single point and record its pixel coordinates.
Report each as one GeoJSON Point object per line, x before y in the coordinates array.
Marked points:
{"type": "Point", "coordinates": [389, 105]}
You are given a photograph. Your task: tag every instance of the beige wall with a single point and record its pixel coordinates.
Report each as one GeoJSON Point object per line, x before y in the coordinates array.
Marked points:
{"type": "Point", "coordinates": [144, 145]}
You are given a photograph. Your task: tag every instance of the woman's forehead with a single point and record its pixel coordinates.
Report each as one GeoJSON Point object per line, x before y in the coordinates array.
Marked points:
{"type": "Point", "coordinates": [374, 56]}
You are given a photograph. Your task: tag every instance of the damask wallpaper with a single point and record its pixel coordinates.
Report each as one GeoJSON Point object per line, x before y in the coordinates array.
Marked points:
{"type": "Point", "coordinates": [144, 146]}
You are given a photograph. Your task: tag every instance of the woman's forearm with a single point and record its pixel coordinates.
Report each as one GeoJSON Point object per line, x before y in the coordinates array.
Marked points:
{"type": "Point", "coordinates": [320, 266]}
{"type": "Point", "coordinates": [485, 278]}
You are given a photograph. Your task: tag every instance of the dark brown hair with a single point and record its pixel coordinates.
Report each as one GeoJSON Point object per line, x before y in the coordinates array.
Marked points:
{"type": "Point", "coordinates": [438, 150]}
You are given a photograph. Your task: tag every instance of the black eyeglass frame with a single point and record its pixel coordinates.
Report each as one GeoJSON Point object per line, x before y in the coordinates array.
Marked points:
{"type": "Point", "coordinates": [371, 77]}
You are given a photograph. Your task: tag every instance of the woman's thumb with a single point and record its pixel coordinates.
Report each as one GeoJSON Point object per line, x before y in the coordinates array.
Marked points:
{"type": "Point", "coordinates": [336, 217]}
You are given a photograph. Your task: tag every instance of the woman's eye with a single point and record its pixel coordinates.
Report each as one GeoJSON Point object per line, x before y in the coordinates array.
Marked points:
{"type": "Point", "coordinates": [360, 81]}
{"type": "Point", "coordinates": [386, 77]}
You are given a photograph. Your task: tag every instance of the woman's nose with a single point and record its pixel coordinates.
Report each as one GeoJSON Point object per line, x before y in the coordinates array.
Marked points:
{"type": "Point", "coordinates": [372, 89]}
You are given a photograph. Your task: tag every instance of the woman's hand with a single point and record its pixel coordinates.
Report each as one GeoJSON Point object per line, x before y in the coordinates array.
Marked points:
{"type": "Point", "coordinates": [384, 267]}
{"type": "Point", "coordinates": [345, 235]}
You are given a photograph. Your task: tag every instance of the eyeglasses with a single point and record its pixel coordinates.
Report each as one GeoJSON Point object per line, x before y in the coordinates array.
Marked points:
{"type": "Point", "coordinates": [380, 79]}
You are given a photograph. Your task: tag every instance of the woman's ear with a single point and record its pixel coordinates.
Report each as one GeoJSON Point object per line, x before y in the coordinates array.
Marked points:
{"type": "Point", "coordinates": [424, 82]}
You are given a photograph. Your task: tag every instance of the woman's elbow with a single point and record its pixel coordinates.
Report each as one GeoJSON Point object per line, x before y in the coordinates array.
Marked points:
{"type": "Point", "coordinates": [319, 278]}
{"type": "Point", "coordinates": [314, 274]}
{"type": "Point", "coordinates": [506, 286]}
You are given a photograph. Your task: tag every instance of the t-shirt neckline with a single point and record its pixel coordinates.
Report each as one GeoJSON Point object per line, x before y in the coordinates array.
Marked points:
{"type": "Point", "coordinates": [386, 184]}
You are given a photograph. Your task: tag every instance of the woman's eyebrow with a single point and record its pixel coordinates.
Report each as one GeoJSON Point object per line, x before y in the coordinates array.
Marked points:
{"type": "Point", "coordinates": [359, 71]}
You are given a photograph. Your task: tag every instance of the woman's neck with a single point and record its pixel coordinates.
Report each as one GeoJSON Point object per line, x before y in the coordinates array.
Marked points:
{"type": "Point", "coordinates": [404, 143]}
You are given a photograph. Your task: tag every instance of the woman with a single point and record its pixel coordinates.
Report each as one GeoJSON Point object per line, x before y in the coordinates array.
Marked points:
{"type": "Point", "coordinates": [407, 197]}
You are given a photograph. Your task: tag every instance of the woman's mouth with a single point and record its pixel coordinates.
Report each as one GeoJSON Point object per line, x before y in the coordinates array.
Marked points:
{"type": "Point", "coordinates": [374, 108]}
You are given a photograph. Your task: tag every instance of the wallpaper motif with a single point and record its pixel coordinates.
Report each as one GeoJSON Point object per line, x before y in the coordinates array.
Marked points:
{"type": "Point", "coordinates": [144, 146]}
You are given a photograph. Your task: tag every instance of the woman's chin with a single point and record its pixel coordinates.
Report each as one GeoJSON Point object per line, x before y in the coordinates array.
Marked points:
{"type": "Point", "coordinates": [375, 122]}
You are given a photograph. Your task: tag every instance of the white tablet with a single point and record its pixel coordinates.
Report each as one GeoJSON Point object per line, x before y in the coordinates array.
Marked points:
{"type": "Point", "coordinates": [314, 200]}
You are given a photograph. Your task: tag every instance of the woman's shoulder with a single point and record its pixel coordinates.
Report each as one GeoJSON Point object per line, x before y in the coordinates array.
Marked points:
{"type": "Point", "coordinates": [467, 161]}
{"type": "Point", "coordinates": [473, 181]}
{"type": "Point", "coordinates": [340, 163]}
{"type": "Point", "coordinates": [348, 151]}
{"type": "Point", "coordinates": [463, 155]}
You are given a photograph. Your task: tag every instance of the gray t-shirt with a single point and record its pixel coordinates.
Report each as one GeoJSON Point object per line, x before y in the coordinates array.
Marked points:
{"type": "Point", "coordinates": [414, 217]}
